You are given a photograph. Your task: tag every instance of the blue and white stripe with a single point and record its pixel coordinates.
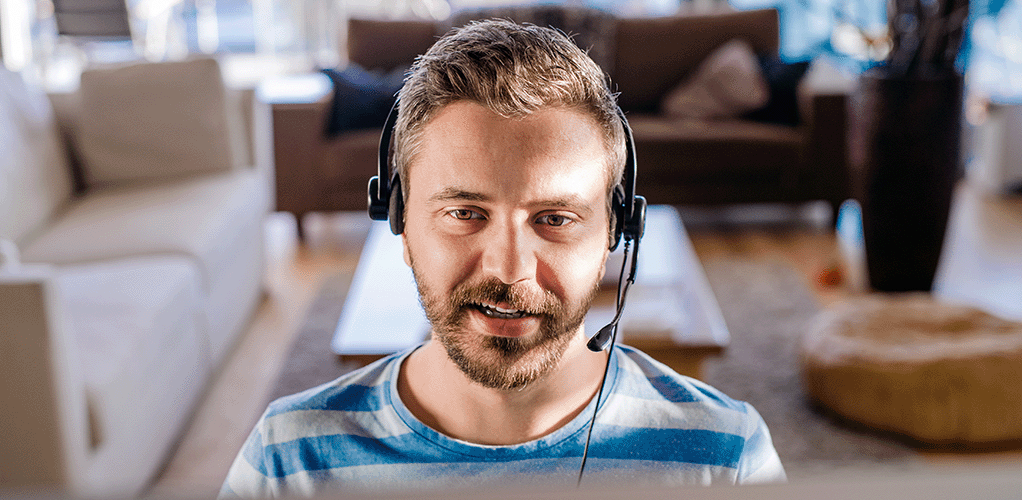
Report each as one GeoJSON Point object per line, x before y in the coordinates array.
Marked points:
{"type": "Point", "coordinates": [354, 434]}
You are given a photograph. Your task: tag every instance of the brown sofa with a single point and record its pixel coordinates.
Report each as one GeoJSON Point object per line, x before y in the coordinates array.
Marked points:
{"type": "Point", "coordinates": [680, 161]}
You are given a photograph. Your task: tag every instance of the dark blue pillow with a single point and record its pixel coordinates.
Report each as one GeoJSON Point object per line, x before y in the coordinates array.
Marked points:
{"type": "Point", "coordinates": [361, 98]}
{"type": "Point", "coordinates": [783, 79]}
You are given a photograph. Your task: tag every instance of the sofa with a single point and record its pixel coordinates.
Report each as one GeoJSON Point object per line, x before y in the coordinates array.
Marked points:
{"type": "Point", "coordinates": [715, 160]}
{"type": "Point", "coordinates": [131, 257]}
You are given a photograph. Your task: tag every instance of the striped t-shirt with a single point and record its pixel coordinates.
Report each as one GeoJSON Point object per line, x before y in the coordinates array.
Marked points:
{"type": "Point", "coordinates": [654, 427]}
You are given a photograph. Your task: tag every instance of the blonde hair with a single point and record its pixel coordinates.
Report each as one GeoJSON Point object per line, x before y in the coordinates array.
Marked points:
{"type": "Point", "coordinates": [513, 70]}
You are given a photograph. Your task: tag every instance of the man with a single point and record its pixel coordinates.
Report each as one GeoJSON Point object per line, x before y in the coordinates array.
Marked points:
{"type": "Point", "coordinates": [508, 145]}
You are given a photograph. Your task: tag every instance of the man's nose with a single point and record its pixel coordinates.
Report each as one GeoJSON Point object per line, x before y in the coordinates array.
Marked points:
{"type": "Point", "coordinates": [509, 254]}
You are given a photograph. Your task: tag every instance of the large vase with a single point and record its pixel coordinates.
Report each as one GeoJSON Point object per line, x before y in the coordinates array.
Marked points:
{"type": "Point", "coordinates": [905, 147]}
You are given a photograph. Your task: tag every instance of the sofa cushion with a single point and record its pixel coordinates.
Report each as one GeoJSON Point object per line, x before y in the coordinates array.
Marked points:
{"type": "Point", "coordinates": [386, 45]}
{"type": "Point", "coordinates": [198, 216]}
{"type": "Point", "coordinates": [139, 327]}
{"type": "Point", "coordinates": [35, 180]}
{"type": "Point", "coordinates": [147, 121]}
{"type": "Point", "coordinates": [654, 54]}
{"type": "Point", "coordinates": [727, 84]}
{"type": "Point", "coordinates": [672, 152]}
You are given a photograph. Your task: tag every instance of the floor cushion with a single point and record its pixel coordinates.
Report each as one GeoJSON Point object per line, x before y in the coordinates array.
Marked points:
{"type": "Point", "coordinates": [935, 372]}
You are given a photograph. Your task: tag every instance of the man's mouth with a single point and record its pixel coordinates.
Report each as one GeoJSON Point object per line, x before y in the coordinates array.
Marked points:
{"type": "Point", "coordinates": [500, 313]}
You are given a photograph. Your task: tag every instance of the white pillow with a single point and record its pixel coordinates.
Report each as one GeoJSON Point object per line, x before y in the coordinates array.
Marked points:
{"type": "Point", "coordinates": [154, 120]}
{"type": "Point", "coordinates": [725, 85]}
{"type": "Point", "coordinates": [35, 179]}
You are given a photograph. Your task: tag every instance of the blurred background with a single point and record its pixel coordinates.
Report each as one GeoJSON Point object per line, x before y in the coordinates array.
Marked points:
{"type": "Point", "coordinates": [286, 35]}
{"type": "Point", "coordinates": [288, 86]}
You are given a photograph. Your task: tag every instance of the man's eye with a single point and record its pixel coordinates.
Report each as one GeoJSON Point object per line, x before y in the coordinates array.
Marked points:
{"type": "Point", "coordinates": [464, 214]}
{"type": "Point", "coordinates": [553, 220]}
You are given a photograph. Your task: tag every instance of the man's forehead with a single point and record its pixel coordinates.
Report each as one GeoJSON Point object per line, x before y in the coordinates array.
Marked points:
{"type": "Point", "coordinates": [466, 139]}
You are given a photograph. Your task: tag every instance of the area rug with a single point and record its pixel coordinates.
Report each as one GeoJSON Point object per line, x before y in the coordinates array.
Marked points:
{"type": "Point", "coordinates": [766, 306]}
{"type": "Point", "coordinates": [310, 361]}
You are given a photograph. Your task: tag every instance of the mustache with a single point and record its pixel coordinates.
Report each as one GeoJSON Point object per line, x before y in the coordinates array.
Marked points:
{"type": "Point", "coordinates": [516, 296]}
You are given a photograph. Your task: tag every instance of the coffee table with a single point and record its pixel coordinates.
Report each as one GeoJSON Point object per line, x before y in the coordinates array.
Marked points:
{"type": "Point", "coordinates": [671, 313]}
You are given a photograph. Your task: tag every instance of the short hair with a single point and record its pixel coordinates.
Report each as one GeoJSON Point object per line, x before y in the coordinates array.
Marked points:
{"type": "Point", "coordinates": [513, 70]}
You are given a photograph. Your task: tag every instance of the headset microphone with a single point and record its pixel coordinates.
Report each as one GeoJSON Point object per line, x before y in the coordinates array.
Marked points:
{"type": "Point", "coordinates": [599, 341]}
{"type": "Point", "coordinates": [603, 338]}
{"type": "Point", "coordinates": [630, 223]}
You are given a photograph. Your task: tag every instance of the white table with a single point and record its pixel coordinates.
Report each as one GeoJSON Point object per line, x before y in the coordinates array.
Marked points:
{"type": "Point", "coordinates": [671, 312]}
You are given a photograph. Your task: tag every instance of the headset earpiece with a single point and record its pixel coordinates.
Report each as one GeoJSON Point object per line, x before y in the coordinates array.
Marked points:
{"type": "Point", "coordinates": [377, 207]}
{"type": "Point", "coordinates": [381, 194]}
{"type": "Point", "coordinates": [396, 213]}
{"type": "Point", "coordinates": [617, 219]}
{"type": "Point", "coordinates": [636, 225]}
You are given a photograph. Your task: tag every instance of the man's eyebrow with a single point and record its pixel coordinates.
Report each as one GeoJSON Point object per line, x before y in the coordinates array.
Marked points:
{"type": "Point", "coordinates": [452, 193]}
{"type": "Point", "coordinates": [573, 202]}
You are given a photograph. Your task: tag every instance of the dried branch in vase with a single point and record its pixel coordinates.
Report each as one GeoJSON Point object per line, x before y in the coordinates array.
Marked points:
{"type": "Point", "coordinates": [926, 35]}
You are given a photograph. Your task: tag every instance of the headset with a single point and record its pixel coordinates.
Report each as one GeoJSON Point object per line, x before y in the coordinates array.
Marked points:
{"type": "Point", "coordinates": [386, 200]}
{"type": "Point", "coordinates": [628, 218]}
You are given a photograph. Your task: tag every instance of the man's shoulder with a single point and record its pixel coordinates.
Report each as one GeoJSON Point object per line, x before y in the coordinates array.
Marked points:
{"type": "Point", "coordinates": [646, 378]}
{"type": "Point", "coordinates": [655, 411]}
{"type": "Point", "coordinates": [364, 389]}
{"type": "Point", "coordinates": [328, 426]}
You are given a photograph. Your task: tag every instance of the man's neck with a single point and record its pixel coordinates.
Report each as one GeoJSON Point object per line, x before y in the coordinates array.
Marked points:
{"type": "Point", "coordinates": [436, 391]}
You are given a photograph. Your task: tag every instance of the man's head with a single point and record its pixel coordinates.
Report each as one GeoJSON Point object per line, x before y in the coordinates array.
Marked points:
{"type": "Point", "coordinates": [508, 144]}
{"type": "Point", "coordinates": [513, 70]}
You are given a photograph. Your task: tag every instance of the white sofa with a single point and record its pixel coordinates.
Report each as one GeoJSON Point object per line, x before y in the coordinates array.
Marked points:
{"type": "Point", "coordinates": [131, 257]}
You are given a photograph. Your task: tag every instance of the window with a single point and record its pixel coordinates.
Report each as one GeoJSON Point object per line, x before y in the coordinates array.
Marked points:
{"type": "Point", "coordinates": [853, 30]}
{"type": "Point", "coordinates": [995, 49]}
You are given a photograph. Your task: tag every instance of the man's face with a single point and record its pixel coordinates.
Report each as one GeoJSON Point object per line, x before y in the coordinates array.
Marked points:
{"type": "Point", "coordinates": [506, 232]}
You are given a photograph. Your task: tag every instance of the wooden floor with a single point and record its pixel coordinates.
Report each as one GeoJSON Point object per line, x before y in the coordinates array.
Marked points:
{"type": "Point", "coordinates": [238, 395]}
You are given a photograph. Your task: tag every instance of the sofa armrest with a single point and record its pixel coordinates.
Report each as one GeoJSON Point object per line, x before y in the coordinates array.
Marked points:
{"type": "Point", "coordinates": [43, 419]}
{"type": "Point", "coordinates": [260, 128]}
{"type": "Point", "coordinates": [297, 108]}
{"type": "Point", "coordinates": [823, 101]}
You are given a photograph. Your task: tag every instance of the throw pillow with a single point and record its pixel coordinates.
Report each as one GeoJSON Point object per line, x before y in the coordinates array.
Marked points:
{"type": "Point", "coordinates": [154, 120]}
{"type": "Point", "coordinates": [783, 79]}
{"type": "Point", "coordinates": [362, 98]}
{"type": "Point", "coordinates": [725, 85]}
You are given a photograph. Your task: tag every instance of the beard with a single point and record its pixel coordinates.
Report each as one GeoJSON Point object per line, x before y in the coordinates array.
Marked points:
{"type": "Point", "coordinates": [496, 362]}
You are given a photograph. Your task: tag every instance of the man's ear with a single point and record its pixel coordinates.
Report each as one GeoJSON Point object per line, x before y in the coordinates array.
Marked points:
{"type": "Point", "coordinates": [404, 251]}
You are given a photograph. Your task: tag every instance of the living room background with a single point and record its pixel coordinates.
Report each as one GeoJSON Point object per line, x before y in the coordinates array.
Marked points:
{"type": "Point", "coordinates": [309, 30]}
